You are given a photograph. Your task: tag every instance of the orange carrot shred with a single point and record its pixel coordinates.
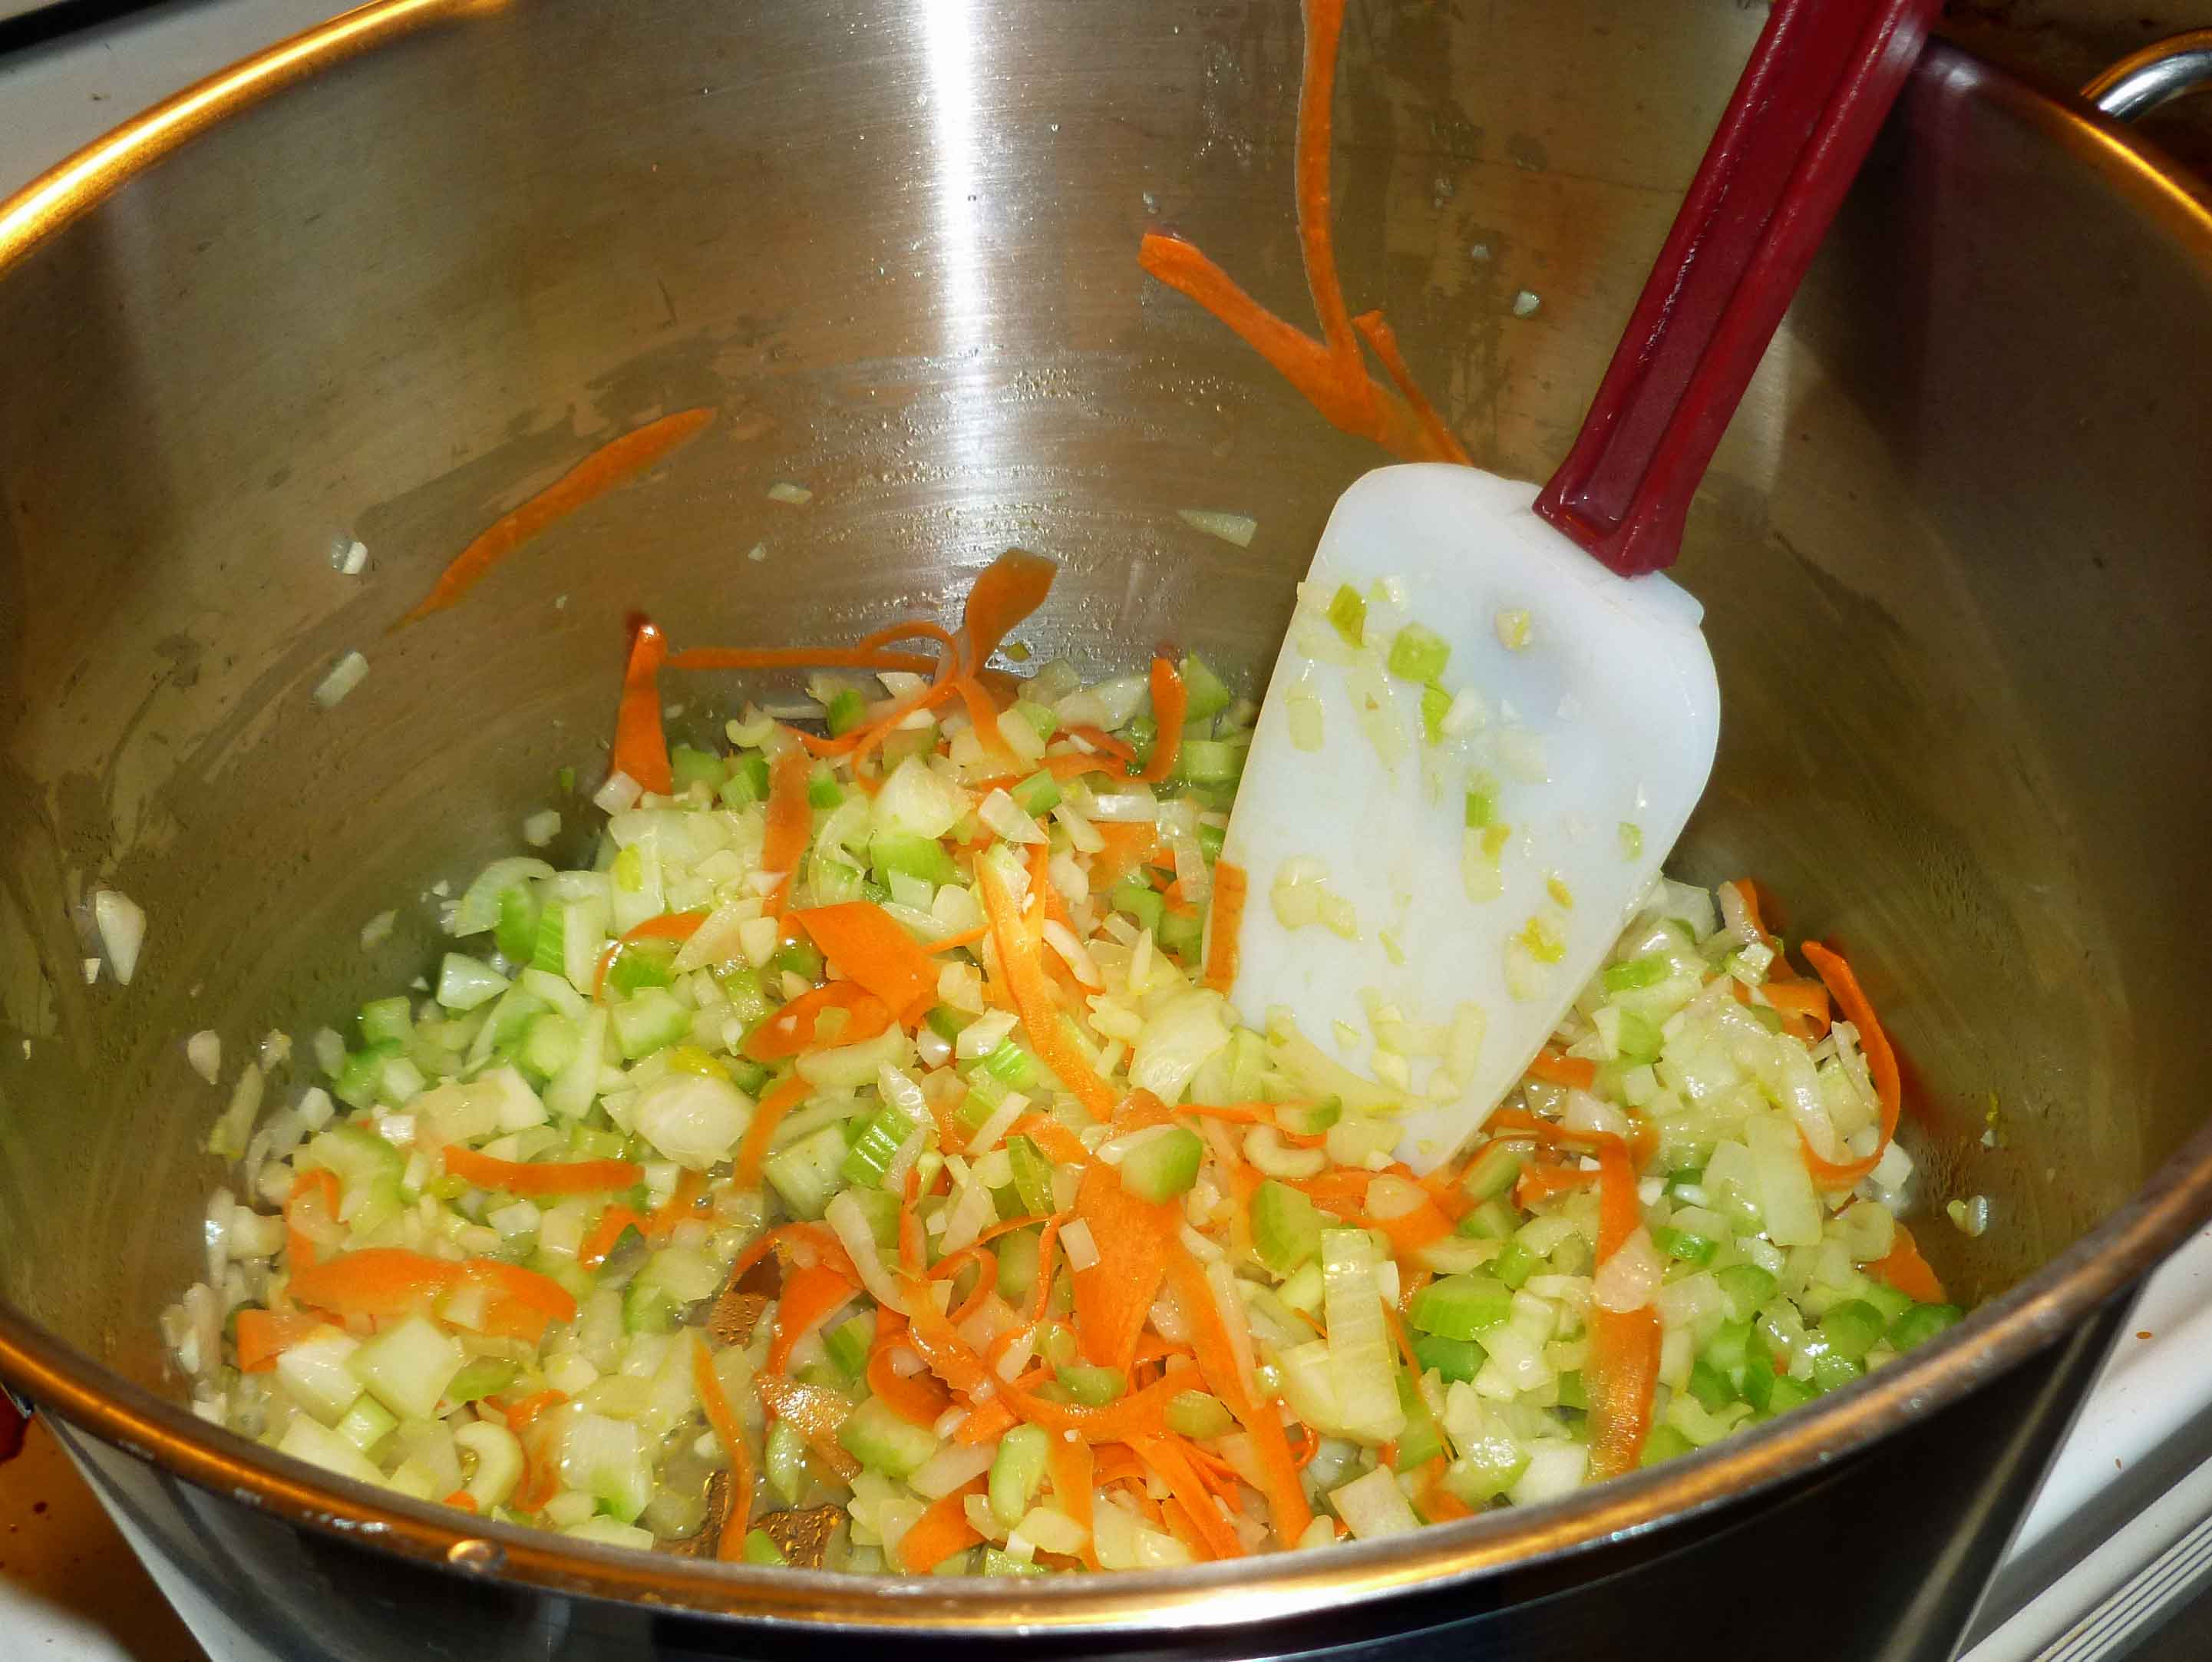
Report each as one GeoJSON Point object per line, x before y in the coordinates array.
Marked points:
{"type": "Point", "coordinates": [752, 1152]}
{"type": "Point", "coordinates": [622, 459]}
{"type": "Point", "coordinates": [1171, 703]}
{"type": "Point", "coordinates": [737, 1517]}
{"type": "Point", "coordinates": [583, 1177]}
{"type": "Point", "coordinates": [790, 823]}
{"type": "Point", "coordinates": [640, 749]}
{"type": "Point", "coordinates": [1903, 1268]}
{"type": "Point", "coordinates": [1553, 1067]}
{"type": "Point", "coordinates": [1881, 1060]}
{"type": "Point", "coordinates": [1223, 925]}
{"type": "Point", "coordinates": [940, 1531]}
{"type": "Point", "coordinates": [866, 945]}
{"type": "Point", "coordinates": [791, 1029]}
{"type": "Point", "coordinates": [810, 1296]}
{"type": "Point", "coordinates": [1026, 978]}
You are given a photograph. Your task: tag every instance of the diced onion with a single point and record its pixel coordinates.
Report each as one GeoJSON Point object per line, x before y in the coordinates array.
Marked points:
{"type": "Point", "coordinates": [345, 675]}
{"type": "Point", "coordinates": [122, 927]}
{"type": "Point", "coordinates": [204, 1050]}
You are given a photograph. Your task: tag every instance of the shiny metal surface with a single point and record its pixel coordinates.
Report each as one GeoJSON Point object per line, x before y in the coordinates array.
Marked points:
{"type": "Point", "coordinates": [389, 280]}
{"type": "Point", "coordinates": [2159, 73]}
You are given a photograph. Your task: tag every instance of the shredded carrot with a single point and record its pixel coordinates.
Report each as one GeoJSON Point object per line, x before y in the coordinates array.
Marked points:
{"type": "Point", "coordinates": [752, 1152]}
{"type": "Point", "coordinates": [1438, 1504]}
{"type": "Point", "coordinates": [603, 1236]}
{"type": "Point", "coordinates": [624, 458]}
{"type": "Point", "coordinates": [1171, 703]}
{"type": "Point", "coordinates": [1025, 977]}
{"type": "Point", "coordinates": [582, 1177]}
{"type": "Point", "coordinates": [1623, 1368]}
{"type": "Point", "coordinates": [791, 1030]}
{"type": "Point", "coordinates": [1905, 1269]}
{"type": "Point", "coordinates": [737, 1516]}
{"type": "Point", "coordinates": [1069, 1461]}
{"type": "Point", "coordinates": [917, 1398]}
{"type": "Point", "coordinates": [866, 945]}
{"type": "Point", "coordinates": [946, 943]}
{"type": "Point", "coordinates": [1105, 743]}
{"type": "Point", "coordinates": [1421, 1226]}
{"type": "Point", "coordinates": [264, 1335]}
{"type": "Point", "coordinates": [1806, 1001]}
{"type": "Point", "coordinates": [640, 749]}
{"type": "Point", "coordinates": [817, 1239]}
{"type": "Point", "coordinates": [1543, 1180]}
{"type": "Point", "coordinates": [375, 1280]}
{"type": "Point", "coordinates": [1003, 596]}
{"type": "Point", "coordinates": [1114, 1296]}
{"type": "Point", "coordinates": [815, 1414]}
{"type": "Point", "coordinates": [790, 823]}
{"type": "Point", "coordinates": [1128, 846]}
{"type": "Point", "coordinates": [1226, 920]}
{"type": "Point", "coordinates": [940, 1531]}
{"type": "Point", "coordinates": [1554, 1067]}
{"type": "Point", "coordinates": [1166, 1455]}
{"type": "Point", "coordinates": [810, 1297]}
{"type": "Point", "coordinates": [1881, 1060]}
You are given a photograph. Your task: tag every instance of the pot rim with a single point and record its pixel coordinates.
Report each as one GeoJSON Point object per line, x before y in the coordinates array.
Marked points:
{"type": "Point", "coordinates": [2000, 1334]}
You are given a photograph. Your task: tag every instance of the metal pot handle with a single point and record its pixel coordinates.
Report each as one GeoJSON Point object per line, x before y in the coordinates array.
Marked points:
{"type": "Point", "coordinates": [2163, 70]}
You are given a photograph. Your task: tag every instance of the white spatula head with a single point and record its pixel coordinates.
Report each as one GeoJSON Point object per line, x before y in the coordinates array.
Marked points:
{"type": "Point", "coordinates": [1436, 873]}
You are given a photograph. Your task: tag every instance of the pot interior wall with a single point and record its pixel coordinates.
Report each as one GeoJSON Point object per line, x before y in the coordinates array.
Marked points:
{"type": "Point", "coordinates": [1952, 552]}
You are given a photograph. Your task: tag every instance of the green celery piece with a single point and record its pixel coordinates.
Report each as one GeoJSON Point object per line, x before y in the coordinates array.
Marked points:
{"type": "Point", "coordinates": [1493, 1171]}
{"type": "Point", "coordinates": [1418, 652]}
{"type": "Point", "coordinates": [1885, 1298]}
{"type": "Point", "coordinates": [881, 1209]}
{"type": "Point", "coordinates": [1094, 1387]}
{"type": "Point", "coordinates": [882, 1442]}
{"type": "Point", "coordinates": [1032, 1175]}
{"type": "Point", "coordinates": [1922, 1323]}
{"type": "Point", "coordinates": [1164, 1164]}
{"type": "Point", "coordinates": [998, 1562]}
{"type": "Point", "coordinates": [1515, 1265]}
{"type": "Point", "coordinates": [689, 767]}
{"type": "Point", "coordinates": [1665, 1443]}
{"type": "Point", "coordinates": [1039, 793]}
{"type": "Point", "coordinates": [1179, 934]}
{"type": "Point", "coordinates": [1728, 1353]}
{"type": "Point", "coordinates": [848, 710]}
{"type": "Point", "coordinates": [783, 1456]}
{"type": "Point", "coordinates": [797, 958]}
{"type": "Point", "coordinates": [1010, 1064]}
{"type": "Point", "coordinates": [870, 1159]}
{"type": "Point", "coordinates": [1209, 761]}
{"type": "Point", "coordinates": [1852, 1329]}
{"type": "Point", "coordinates": [1748, 1288]}
{"type": "Point", "coordinates": [849, 1343]}
{"type": "Point", "coordinates": [1460, 1306]}
{"type": "Point", "coordinates": [515, 935]}
{"type": "Point", "coordinates": [1481, 806]}
{"type": "Point", "coordinates": [362, 1072]}
{"type": "Point", "coordinates": [1017, 1473]}
{"type": "Point", "coordinates": [947, 1023]}
{"type": "Point", "coordinates": [386, 1021]}
{"type": "Point", "coordinates": [1207, 694]}
{"type": "Point", "coordinates": [1422, 1440]}
{"type": "Point", "coordinates": [1454, 1359]}
{"type": "Point", "coordinates": [748, 782]}
{"type": "Point", "coordinates": [905, 854]}
{"type": "Point", "coordinates": [1640, 1038]}
{"type": "Point", "coordinates": [1198, 1414]}
{"type": "Point", "coordinates": [1648, 971]}
{"type": "Point", "coordinates": [1436, 704]}
{"type": "Point", "coordinates": [1017, 1265]}
{"type": "Point", "coordinates": [547, 947]}
{"type": "Point", "coordinates": [1285, 1226]}
{"type": "Point", "coordinates": [1494, 1219]}
{"type": "Point", "coordinates": [1347, 610]}
{"type": "Point", "coordinates": [1573, 1393]}
{"type": "Point", "coordinates": [1310, 1122]}
{"type": "Point", "coordinates": [642, 964]}
{"type": "Point", "coordinates": [648, 1019]}
{"type": "Point", "coordinates": [548, 1045]}
{"type": "Point", "coordinates": [760, 1547]}
{"type": "Point", "coordinates": [1710, 1387]}
{"type": "Point", "coordinates": [1689, 1248]}
{"type": "Point", "coordinates": [1210, 839]}
{"type": "Point", "coordinates": [822, 790]}
{"type": "Point", "coordinates": [1133, 895]}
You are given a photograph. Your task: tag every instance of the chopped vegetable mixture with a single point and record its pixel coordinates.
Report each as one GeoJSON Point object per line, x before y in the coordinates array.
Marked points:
{"type": "Point", "coordinates": [855, 1161]}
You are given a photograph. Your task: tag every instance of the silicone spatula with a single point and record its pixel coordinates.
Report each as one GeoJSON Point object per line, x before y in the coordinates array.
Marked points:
{"type": "Point", "coordinates": [1491, 716]}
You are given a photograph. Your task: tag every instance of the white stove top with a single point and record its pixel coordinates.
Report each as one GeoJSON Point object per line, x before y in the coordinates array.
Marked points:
{"type": "Point", "coordinates": [2121, 1529]}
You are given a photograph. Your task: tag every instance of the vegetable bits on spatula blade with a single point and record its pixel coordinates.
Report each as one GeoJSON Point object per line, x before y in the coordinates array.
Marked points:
{"type": "Point", "coordinates": [1489, 684]}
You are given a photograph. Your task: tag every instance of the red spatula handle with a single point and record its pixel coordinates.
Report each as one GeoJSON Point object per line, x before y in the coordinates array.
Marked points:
{"type": "Point", "coordinates": [1821, 78]}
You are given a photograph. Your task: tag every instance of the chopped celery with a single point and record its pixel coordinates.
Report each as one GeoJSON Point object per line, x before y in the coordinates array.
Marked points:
{"type": "Point", "coordinates": [1041, 721]}
{"type": "Point", "coordinates": [1728, 1353]}
{"type": "Point", "coordinates": [848, 1344]}
{"type": "Point", "coordinates": [648, 1307]}
{"type": "Point", "coordinates": [822, 790]}
{"type": "Point", "coordinates": [1460, 1306]}
{"type": "Point", "coordinates": [1481, 805]}
{"type": "Point", "coordinates": [1198, 1414]}
{"type": "Point", "coordinates": [1689, 1248]}
{"type": "Point", "coordinates": [1039, 793]}
{"type": "Point", "coordinates": [996, 1563]}
{"type": "Point", "coordinates": [1163, 1164]}
{"type": "Point", "coordinates": [1207, 695]}
{"type": "Point", "coordinates": [1285, 1226]}
{"type": "Point", "coordinates": [1573, 1393]}
{"type": "Point", "coordinates": [1422, 1440]}
{"type": "Point", "coordinates": [1789, 1393]}
{"type": "Point", "coordinates": [1017, 1473]}
{"type": "Point", "coordinates": [1347, 610]}
{"type": "Point", "coordinates": [648, 1019]}
{"type": "Point", "coordinates": [1133, 895]}
{"type": "Point", "coordinates": [1515, 1265]}
{"type": "Point", "coordinates": [1645, 972]}
{"type": "Point", "coordinates": [1709, 1385]}
{"type": "Point", "coordinates": [464, 983]}
{"type": "Point", "coordinates": [386, 1021]}
{"type": "Point", "coordinates": [1640, 1038]}
{"type": "Point", "coordinates": [759, 1547]}
{"type": "Point", "coordinates": [1210, 841]}
{"type": "Point", "coordinates": [1311, 1121]}
{"type": "Point", "coordinates": [487, 1376]}
{"type": "Point", "coordinates": [882, 1442]}
{"type": "Point", "coordinates": [797, 958]}
{"type": "Point", "coordinates": [1852, 1329]}
{"type": "Point", "coordinates": [810, 1171]}
{"type": "Point", "coordinates": [1886, 1298]}
{"type": "Point", "coordinates": [1664, 1443]}
{"type": "Point", "coordinates": [1748, 1288]}
{"type": "Point", "coordinates": [1179, 933]}
{"type": "Point", "coordinates": [515, 935]}
{"type": "Point", "coordinates": [408, 1368]}
{"type": "Point", "coordinates": [1209, 761]}
{"type": "Point", "coordinates": [689, 767]}
{"type": "Point", "coordinates": [1436, 704]}
{"type": "Point", "coordinates": [741, 985]}
{"type": "Point", "coordinates": [783, 1461]}
{"type": "Point", "coordinates": [848, 710]}
{"type": "Point", "coordinates": [1017, 1265]}
{"type": "Point", "coordinates": [1418, 652]}
{"type": "Point", "coordinates": [1922, 1323]}
{"type": "Point", "coordinates": [1010, 1064]}
{"type": "Point", "coordinates": [904, 853]}
{"type": "Point", "coordinates": [641, 963]}
{"type": "Point", "coordinates": [1094, 1387]}
{"type": "Point", "coordinates": [1454, 1359]}
{"type": "Point", "coordinates": [1032, 1175]}
{"type": "Point", "coordinates": [870, 1158]}
{"type": "Point", "coordinates": [1142, 732]}
{"type": "Point", "coordinates": [1493, 1171]}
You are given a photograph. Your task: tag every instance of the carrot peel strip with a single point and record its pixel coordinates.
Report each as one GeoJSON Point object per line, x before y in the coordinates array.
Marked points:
{"type": "Point", "coordinates": [1881, 1063]}
{"type": "Point", "coordinates": [641, 748]}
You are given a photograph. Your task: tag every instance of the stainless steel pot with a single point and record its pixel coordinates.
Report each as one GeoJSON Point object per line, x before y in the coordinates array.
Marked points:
{"type": "Point", "coordinates": [385, 280]}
